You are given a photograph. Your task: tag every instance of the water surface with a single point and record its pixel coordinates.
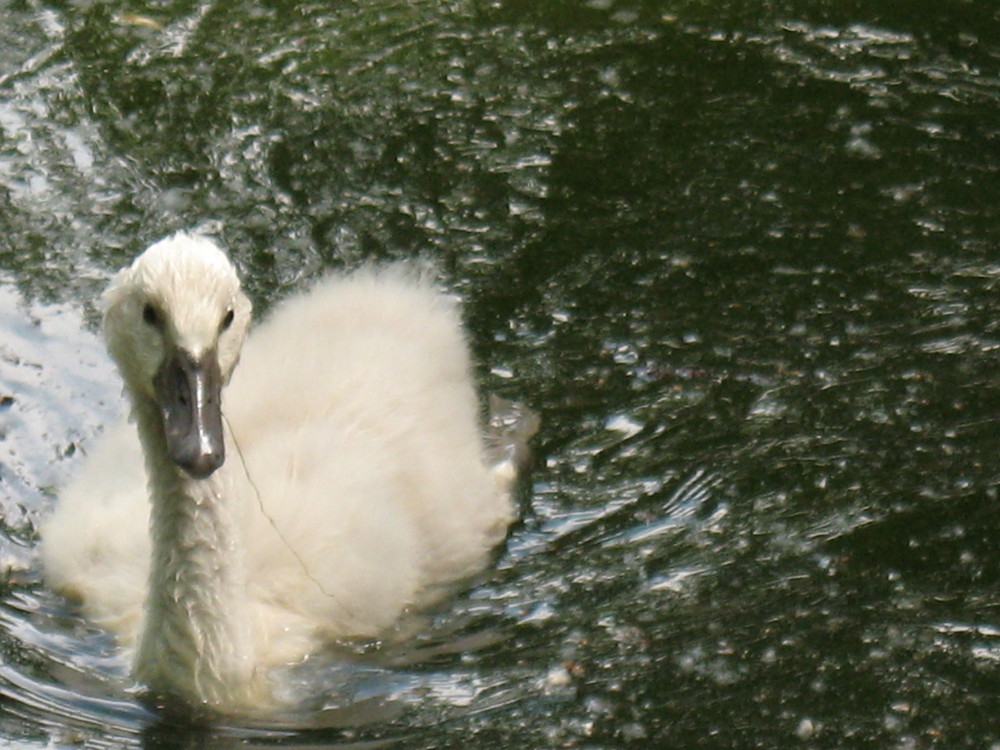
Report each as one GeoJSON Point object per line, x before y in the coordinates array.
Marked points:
{"type": "Point", "coordinates": [741, 257]}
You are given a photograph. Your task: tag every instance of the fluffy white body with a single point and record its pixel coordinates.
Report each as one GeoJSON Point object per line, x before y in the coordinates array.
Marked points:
{"type": "Point", "coordinates": [355, 483]}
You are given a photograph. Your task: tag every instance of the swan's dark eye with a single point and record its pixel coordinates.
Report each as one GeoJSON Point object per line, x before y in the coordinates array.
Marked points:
{"type": "Point", "coordinates": [226, 321]}
{"type": "Point", "coordinates": [151, 316]}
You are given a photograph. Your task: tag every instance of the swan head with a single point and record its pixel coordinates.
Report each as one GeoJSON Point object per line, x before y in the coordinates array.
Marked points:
{"type": "Point", "coordinates": [174, 322]}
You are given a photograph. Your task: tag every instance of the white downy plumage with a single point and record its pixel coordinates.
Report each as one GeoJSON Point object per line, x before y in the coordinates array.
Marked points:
{"type": "Point", "coordinates": [351, 482]}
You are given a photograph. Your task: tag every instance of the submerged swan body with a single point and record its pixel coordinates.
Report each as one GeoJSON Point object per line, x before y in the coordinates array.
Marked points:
{"type": "Point", "coordinates": [343, 481]}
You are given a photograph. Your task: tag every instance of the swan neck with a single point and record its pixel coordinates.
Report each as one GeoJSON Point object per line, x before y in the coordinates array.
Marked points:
{"type": "Point", "coordinates": [196, 642]}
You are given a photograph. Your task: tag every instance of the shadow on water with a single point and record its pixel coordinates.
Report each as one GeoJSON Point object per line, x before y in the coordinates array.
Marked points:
{"type": "Point", "coordinates": [740, 257]}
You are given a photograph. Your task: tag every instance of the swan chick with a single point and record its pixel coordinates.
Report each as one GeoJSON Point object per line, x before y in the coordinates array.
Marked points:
{"type": "Point", "coordinates": [311, 481]}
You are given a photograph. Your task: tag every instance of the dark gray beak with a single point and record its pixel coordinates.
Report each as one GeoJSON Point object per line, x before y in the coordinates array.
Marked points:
{"type": "Point", "coordinates": [189, 393]}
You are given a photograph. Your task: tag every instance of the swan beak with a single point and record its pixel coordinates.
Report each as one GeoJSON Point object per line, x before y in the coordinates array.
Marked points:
{"type": "Point", "coordinates": [189, 394]}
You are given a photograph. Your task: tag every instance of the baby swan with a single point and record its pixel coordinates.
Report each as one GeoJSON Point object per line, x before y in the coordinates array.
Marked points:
{"type": "Point", "coordinates": [333, 480]}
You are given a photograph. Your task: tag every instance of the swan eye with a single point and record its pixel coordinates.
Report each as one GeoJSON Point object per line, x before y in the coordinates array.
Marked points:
{"type": "Point", "coordinates": [151, 316]}
{"type": "Point", "coordinates": [227, 320]}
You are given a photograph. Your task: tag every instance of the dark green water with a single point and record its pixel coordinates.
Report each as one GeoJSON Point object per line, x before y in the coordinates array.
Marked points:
{"type": "Point", "coordinates": [749, 248]}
